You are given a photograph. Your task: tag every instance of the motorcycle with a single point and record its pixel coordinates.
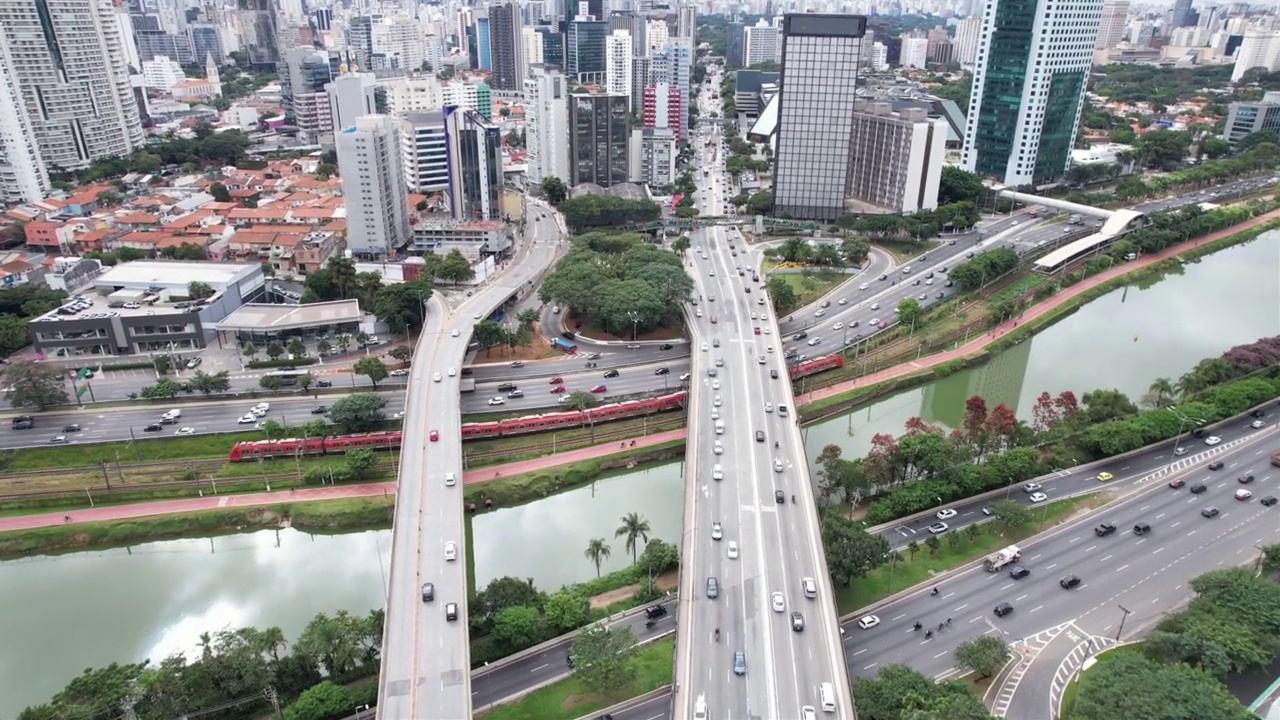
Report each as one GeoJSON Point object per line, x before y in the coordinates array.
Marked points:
{"type": "Point", "coordinates": [649, 624]}
{"type": "Point", "coordinates": [917, 626]}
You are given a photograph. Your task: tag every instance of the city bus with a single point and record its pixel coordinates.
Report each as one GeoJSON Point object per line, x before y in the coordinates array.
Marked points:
{"type": "Point", "coordinates": [288, 377]}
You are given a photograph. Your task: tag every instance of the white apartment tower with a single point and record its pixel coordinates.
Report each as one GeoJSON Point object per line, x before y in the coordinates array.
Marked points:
{"type": "Point", "coordinates": [373, 186]}
{"type": "Point", "coordinates": [896, 163]}
{"type": "Point", "coordinates": [915, 52]}
{"type": "Point", "coordinates": [546, 117]}
{"type": "Point", "coordinates": [1028, 88]}
{"type": "Point", "coordinates": [1115, 16]}
{"type": "Point", "coordinates": [351, 95]}
{"type": "Point", "coordinates": [656, 35]}
{"type": "Point", "coordinates": [23, 177]}
{"type": "Point", "coordinates": [618, 63]}
{"type": "Point", "coordinates": [816, 96]}
{"type": "Point", "coordinates": [967, 32]}
{"type": "Point", "coordinates": [534, 46]}
{"type": "Point", "coordinates": [761, 43]}
{"type": "Point", "coordinates": [65, 59]}
{"type": "Point", "coordinates": [1258, 49]}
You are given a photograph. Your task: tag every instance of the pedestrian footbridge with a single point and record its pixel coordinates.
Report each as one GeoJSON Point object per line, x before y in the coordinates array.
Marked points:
{"type": "Point", "coordinates": [1115, 224]}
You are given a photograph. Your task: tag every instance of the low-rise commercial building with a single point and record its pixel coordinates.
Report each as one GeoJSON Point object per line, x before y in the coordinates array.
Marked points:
{"type": "Point", "coordinates": [1248, 117]}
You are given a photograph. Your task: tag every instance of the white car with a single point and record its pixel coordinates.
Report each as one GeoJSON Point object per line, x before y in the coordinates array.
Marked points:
{"type": "Point", "coordinates": [718, 449]}
{"type": "Point", "coordinates": [779, 602]}
{"type": "Point", "coordinates": [946, 514]}
{"type": "Point", "coordinates": [777, 465]}
{"type": "Point", "coordinates": [715, 384]}
{"type": "Point", "coordinates": [455, 333]}
{"type": "Point", "coordinates": [398, 416]}
{"type": "Point", "coordinates": [820, 313]}
{"type": "Point", "coordinates": [436, 377]}
{"type": "Point", "coordinates": [450, 551]}
{"type": "Point", "coordinates": [843, 301]}
{"type": "Point", "coordinates": [761, 360]}
{"type": "Point", "coordinates": [57, 439]}
{"type": "Point", "coordinates": [685, 377]}
{"type": "Point", "coordinates": [868, 622]}
{"type": "Point", "coordinates": [399, 372]}
{"type": "Point", "coordinates": [717, 473]}
{"type": "Point", "coordinates": [875, 306]}
{"type": "Point", "coordinates": [733, 550]}
{"type": "Point", "coordinates": [248, 419]}
{"type": "Point", "coordinates": [450, 479]}
{"type": "Point", "coordinates": [704, 347]}
{"type": "Point", "coordinates": [875, 321]}
{"type": "Point", "coordinates": [1038, 497]}
{"type": "Point", "coordinates": [186, 431]}
{"type": "Point", "coordinates": [863, 286]}
{"type": "Point", "coordinates": [814, 341]}
{"type": "Point", "coordinates": [453, 371]}
{"type": "Point", "coordinates": [938, 528]}
{"type": "Point", "coordinates": [768, 407]}
{"type": "Point", "coordinates": [716, 532]}
{"type": "Point", "coordinates": [1031, 487]}
{"type": "Point", "coordinates": [1212, 440]}
{"type": "Point", "coordinates": [1257, 424]}
{"type": "Point", "coordinates": [262, 407]}
{"type": "Point", "coordinates": [711, 273]}
{"type": "Point", "coordinates": [497, 401]}
{"type": "Point", "coordinates": [716, 401]}
{"type": "Point", "coordinates": [837, 326]}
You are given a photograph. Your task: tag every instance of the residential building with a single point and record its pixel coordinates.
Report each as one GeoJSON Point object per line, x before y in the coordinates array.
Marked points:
{"type": "Point", "coordinates": [815, 105]}
{"type": "Point", "coordinates": [673, 65]}
{"type": "Point", "coordinates": [154, 43]}
{"type": "Point", "coordinates": [67, 63]}
{"type": "Point", "coordinates": [161, 73]}
{"type": "Point", "coordinates": [761, 43]}
{"type": "Point", "coordinates": [474, 150]}
{"type": "Point", "coordinates": [896, 158]}
{"type": "Point", "coordinates": [533, 46]}
{"type": "Point", "coordinates": [967, 32]}
{"type": "Point", "coordinates": [598, 139]}
{"type": "Point", "coordinates": [1028, 89]}
{"type": "Point", "coordinates": [484, 44]}
{"type": "Point", "coordinates": [413, 94]}
{"type": "Point", "coordinates": [359, 41]}
{"type": "Point", "coordinates": [659, 148]}
{"type": "Point", "coordinates": [584, 50]}
{"type": "Point", "coordinates": [397, 42]}
{"type": "Point", "coordinates": [618, 63]}
{"type": "Point", "coordinates": [546, 123]}
{"type": "Point", "coordinates": [23, 175]}
{"type": "Point", "coordinates": [506, 39]}
{"type": "Point", "coordinates": [1258, 49]}
{"type": "Point", "coordinates": [915, 52]}
{"type": "Point", "coordinates": [656, 35]}
{"type": "Point", "coordinates": [373, 184]}
{"type": "Point", "coordinates": [1246, 118]}
{"type": "Point", "coordinates": [304, 73]}
{"type": "Point", "coordinates": [424, 153]}
{"type": "Point", "coordinates": [351, 95]}
{"type": "Point", "coordinates": [1112, 25]}
{"type": "Point", "coordinates": [661, 108]}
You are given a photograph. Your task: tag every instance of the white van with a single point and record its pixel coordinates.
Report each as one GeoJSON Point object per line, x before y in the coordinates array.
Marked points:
{"type": "Point", "coordinates": [719, 427]}
{"type": "Point", "coordinates": [172, 414]}
{"type": "Point", "coordinates": [827, 693]}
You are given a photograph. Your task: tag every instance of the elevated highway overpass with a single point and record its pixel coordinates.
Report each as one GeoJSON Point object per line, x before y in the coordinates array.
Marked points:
{"type": "Point", "coordinates": [426, 667]}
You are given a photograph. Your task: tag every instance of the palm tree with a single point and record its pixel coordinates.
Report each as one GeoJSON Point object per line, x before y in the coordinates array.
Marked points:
{"type": "Point", "coordinates": [633, 526]}
{"type": "Point", "coordinates": [273, 642]}
{"type": "Point", "coordinates": [597, 552]}
{"type": "Point", "coordinates": [1162, 390]}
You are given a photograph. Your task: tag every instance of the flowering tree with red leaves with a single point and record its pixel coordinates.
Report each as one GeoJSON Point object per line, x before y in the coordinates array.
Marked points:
{"type": "Point", "coordinates": [917, 425]}
{"type": "Point", "coordinates": [1067, 406]}
{"type": "Point", "coordinates": [1002, 423]}
{"type": "Point", "coordinates": [1044, 414]}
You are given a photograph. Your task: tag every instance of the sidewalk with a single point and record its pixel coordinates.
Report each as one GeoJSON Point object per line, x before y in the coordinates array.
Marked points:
{"type": "Point", "coordinates": [1031, 313]}
{"type": "Point", "coordinates": [385, 489]}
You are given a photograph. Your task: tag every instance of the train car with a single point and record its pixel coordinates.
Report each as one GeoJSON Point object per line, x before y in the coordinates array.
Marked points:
{"type": "Point", "coordinates": [816, 365]}
{"type": "Point", "coordinates": [481, 430]}
{"type": "Point", "coordinates": [541, 423]}
{"type": "Point", "coordinates": [366, 441]}
{"type": "Point", "coordinates": [288, 447]}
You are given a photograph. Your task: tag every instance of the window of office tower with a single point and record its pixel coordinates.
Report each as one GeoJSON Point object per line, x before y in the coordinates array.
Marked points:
{"type": "Point", "coordinates": [815, 113]}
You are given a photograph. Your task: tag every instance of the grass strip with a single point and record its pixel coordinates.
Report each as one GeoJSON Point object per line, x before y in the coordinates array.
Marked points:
{"type": "Point", "coordinates": [880, 583]}
{"type": "Point", "coordinates": [569, 699]}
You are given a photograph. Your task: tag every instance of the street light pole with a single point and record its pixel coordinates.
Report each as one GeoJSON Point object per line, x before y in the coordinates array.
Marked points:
{"type": "Point", "coordinates": [1127, 612]}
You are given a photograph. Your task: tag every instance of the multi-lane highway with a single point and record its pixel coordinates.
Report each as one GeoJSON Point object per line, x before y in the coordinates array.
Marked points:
{"type": "Point", "coordinates": [425, 649]}
{"type": "Point", "coordinates": [760, 633]}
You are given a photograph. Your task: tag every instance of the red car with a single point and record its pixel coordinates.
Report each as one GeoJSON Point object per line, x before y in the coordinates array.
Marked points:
{"type": "Point", "coordinates": [557, 381]}
{"type": "Point", "coordinates": [435, 435]}
{"type": "Point", "coordinates": [599, 389]}
{"type": "Point", "coordinates": [713, 319]}
{"type": "Point", "coordinates": [557, 389]}
{"type": "Point", "coordinates": [757, 330]}
{"type": "Point", "coordinates": [884, 324]}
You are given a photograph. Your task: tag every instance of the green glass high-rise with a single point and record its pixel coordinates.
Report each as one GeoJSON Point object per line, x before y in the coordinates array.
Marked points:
{"type": "Point", "coordinates": [1028, 88]}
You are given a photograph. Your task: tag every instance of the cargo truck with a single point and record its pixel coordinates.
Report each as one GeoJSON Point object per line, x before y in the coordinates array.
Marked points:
{"type": "Point", "coordinates": [998, 560]}
{"type": "Point", "coordinates": [564, 345]}
{"type": "Point", "coordinates": [1275, 458]}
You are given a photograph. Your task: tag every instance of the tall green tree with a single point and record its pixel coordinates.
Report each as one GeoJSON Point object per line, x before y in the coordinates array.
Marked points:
{"type": "Point", "coordinates": [358, 412]}
{"type": "Point", "coordinates": [372, 368]}
{"type": "Point", "coordinates": [34, 385]}
{"type": "Point", "coordinates": [597, 552]}
{"type": "Point", "coordinates": [633, 528]}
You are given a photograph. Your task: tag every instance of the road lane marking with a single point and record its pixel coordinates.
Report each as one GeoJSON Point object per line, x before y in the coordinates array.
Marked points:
{"type": "Point", "coordinates": [1020, 598]}
{"type": "Point", "coordinates": [1106, 558]}
{"type": "Point", "coordinates": [1036, 608]}
{"type": "Point", "coordinates": [540, 667]}
{"type": "Point", "coordinates": [1122, 568]}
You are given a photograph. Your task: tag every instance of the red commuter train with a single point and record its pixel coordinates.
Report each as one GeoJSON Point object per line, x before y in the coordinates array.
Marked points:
{"type": "Point", "coordinates": [816, 365]}
{"type": "Point", "coordinates": [291, 447]}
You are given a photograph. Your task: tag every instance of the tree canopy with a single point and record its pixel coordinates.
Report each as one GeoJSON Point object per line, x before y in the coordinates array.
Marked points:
{"type": "Point", "coordinates": [595, 211]}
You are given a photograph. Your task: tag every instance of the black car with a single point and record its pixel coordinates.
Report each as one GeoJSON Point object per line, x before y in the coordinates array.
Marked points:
{"type": "Point", "coordinates": [1069, 582]}
{"type": "Point", "coordinates": [1210, 512]}
{"type": "Point", "coordinates": [506, 387]}
{"type": "Point", "coordinates": [800, 335]}
{"type": "Point", "coordinates": [1215, 465]}
{"type": "Point", "coordinates": [1258, 413]}
{"type": "Point", "coordinates": [324, 383]}
{"type": "Point", "coordinates": [1245, 479]}
{"type": "Point", "coordinates": [73, 427]}
{"type": "Point", "coordinates": [778, 497]}
{"type": "Point", "coordinates": [168, 421]}
{"type": "Point", "coordinates": [1018, 572]}
{"type": "Point", "coordinates": [665, 346]}
{"type": "Point", "coordinates": [1197, 489]}
{"type": "Point", "coordinates": [1141, 529]}
{"type": "Point", "coordinates": [612, 373]}
{"type": "Point", "coordinates": [1268, 501]}
{"type": "Point", "coordinates": [773, 374]}
{"type": "Point", "coordinates": [1003, 609]}
{"type": "Point", "coordinates": [153, 427]}
{"type": "Point", "coordinates": [1104, 529]}
{"type": "Point", "coordinates": [655, 611]}
{"type": "Point", "coordinates": [662, 371]}
{"type": "Point", "coordinates": [319, 410]}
